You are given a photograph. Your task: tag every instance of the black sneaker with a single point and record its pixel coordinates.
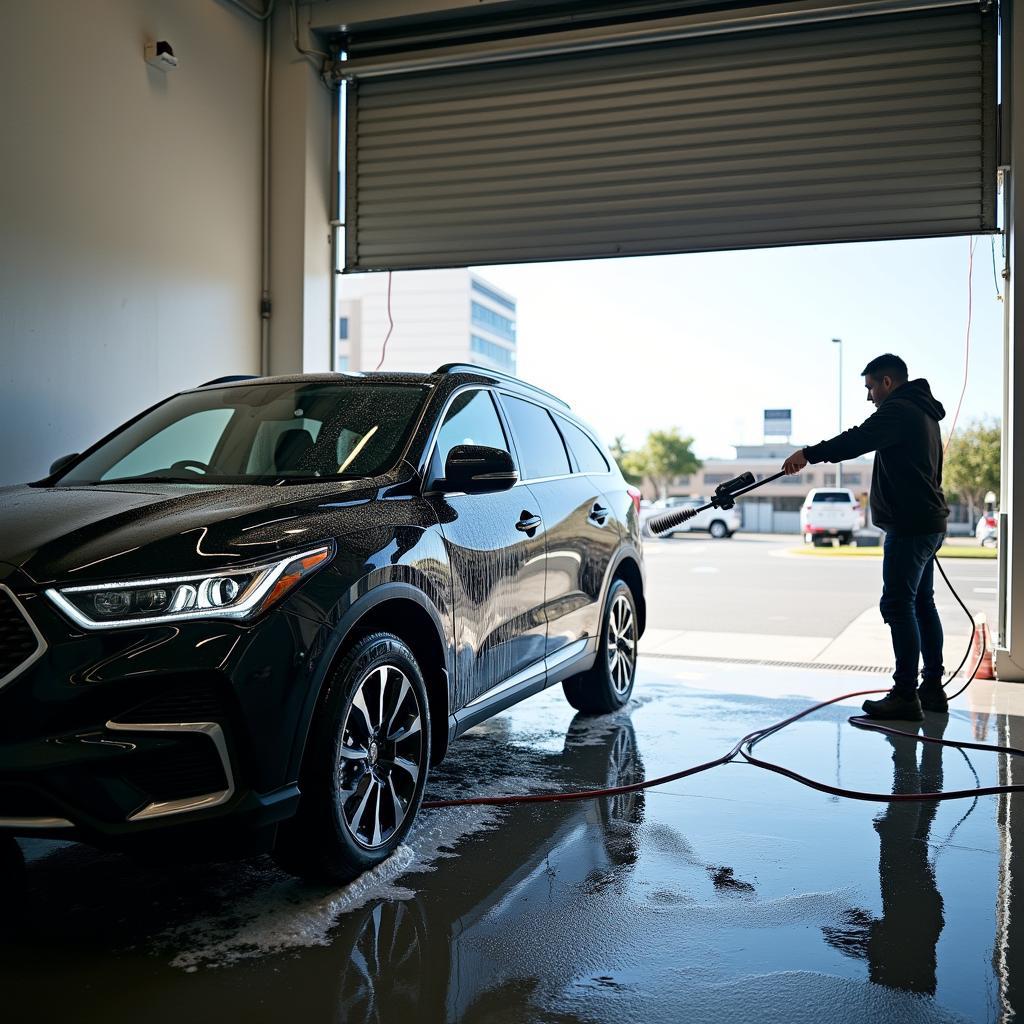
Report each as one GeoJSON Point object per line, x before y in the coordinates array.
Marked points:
{"type": "Point", "coordinates": [895, 705]}
{"type": "Point", "coordinates": [933, 698]}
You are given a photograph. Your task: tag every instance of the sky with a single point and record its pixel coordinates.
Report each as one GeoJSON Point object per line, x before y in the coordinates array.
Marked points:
{"type": "Point", "coordinates": [706, 342]}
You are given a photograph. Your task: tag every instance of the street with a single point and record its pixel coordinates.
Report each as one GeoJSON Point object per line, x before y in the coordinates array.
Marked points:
{"type": "Point", "coordinates": [757, 597]}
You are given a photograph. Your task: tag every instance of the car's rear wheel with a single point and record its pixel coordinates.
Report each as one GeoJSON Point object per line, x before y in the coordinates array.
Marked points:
{"type": "Point", "coordinates": [365, 766]}
{"type": "Point", "coordinates": [718, 530]}
{"type": "Point", "coordinates": [608, 685]}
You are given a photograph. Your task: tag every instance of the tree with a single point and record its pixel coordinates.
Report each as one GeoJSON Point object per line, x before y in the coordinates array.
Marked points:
{"type": "Point", "coordinates": [629, 462]}
{"type": "Point", "coordinates": [667, 454]}
{"type": "Point", "coordinates": [971, 466]}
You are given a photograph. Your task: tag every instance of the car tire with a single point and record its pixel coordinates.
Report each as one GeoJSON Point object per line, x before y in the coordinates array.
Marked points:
{"type": "Point", "coordinates": [607, 686]}
{"type": "Point", "coordinates": [845, 538]}
{"type": "Point", "coordinates": [718, 530]}
{"type": "Point", "coordinates": [365, 765]}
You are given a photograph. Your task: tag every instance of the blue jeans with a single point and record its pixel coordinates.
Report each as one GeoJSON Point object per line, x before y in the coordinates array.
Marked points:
{"type": "Point", "coordinates": [908, 607]}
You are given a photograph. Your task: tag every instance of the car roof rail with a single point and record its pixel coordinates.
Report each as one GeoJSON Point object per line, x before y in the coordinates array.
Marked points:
{"type": "Point", "coordinates": [485, 371]}
{"type": "Point", "coordinates": [230, 379]}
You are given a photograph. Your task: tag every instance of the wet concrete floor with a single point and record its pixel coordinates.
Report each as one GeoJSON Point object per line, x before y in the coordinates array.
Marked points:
{"type": "Point", "coordinates": [736, 895]}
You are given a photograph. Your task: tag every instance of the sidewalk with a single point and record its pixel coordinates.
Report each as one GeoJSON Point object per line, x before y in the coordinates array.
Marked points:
{"type": "Point", "coordinates": [865, 643]}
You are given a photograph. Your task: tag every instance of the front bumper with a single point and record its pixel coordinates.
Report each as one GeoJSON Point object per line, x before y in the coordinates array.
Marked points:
{"type": "Point", "coordinates": [113, 737]}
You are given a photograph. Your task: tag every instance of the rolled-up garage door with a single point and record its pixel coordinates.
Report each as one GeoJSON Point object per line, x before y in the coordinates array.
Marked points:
{"type": "Point", "coordinates": [874, 128]}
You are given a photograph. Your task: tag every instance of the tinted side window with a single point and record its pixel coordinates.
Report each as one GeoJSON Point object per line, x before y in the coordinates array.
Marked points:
{"type": "Point", "coordinates": [470, 419]}
{"type": "Point", "coordinates": [588, 456]}
{"type": "Point", "coordinates": [541, 451]}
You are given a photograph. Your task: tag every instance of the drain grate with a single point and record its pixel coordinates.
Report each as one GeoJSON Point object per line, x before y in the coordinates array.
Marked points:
{"type": "Point", "coordinates": [881, 670]}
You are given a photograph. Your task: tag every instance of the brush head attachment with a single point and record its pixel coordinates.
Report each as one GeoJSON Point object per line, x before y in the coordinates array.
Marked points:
{"type": "Point", "coordinates": [659, 524]}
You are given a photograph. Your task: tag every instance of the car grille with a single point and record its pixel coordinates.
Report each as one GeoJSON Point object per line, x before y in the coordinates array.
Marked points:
{"type": "Point", "coordinates": [18, 641]}
{"type": "Point", "coordinates": [190, 769]}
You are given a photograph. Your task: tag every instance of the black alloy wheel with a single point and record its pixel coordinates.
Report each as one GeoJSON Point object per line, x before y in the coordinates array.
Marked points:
{"type": "Point", "coordinates": [608, 685]}
{"type": "Point", "coordinates": [365, 766]}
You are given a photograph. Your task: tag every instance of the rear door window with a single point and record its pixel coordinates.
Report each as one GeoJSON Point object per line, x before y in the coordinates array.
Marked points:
{"type": "Point", "coordinates": [589, 456]}
{"type": "Point", "coordinates": [833, 497]}
{"type": "Point", "coordinates": [540, 447]}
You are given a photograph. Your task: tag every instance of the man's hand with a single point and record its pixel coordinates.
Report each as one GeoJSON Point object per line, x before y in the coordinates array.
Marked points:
{"type": "Point", "coordinates": [794, 463]}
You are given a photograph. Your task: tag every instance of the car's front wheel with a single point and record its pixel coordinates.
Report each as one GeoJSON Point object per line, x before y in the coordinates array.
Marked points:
{"type": "Point", "coordinates": [608, 685]}
{"type": "Point", "coordinates": [365, 766]}
{"type": "Point", "coordinates": [718, 530]}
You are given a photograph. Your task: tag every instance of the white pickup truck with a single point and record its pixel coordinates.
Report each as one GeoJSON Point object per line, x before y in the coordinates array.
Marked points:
{"type": "Point", "coordinates": [720, 524]}
{"type": "Point", "coordinates": [829, 512]}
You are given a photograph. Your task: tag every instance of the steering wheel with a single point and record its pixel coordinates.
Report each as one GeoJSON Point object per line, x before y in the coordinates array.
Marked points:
{"type": "Point", "coordinates": [191, 464]}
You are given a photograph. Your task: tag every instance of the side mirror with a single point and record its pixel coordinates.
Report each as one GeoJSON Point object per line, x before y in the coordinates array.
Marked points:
{"type": "Point", "coordinates": [62, 463]}
{"type": "Point", "coordinates": [476, 469]}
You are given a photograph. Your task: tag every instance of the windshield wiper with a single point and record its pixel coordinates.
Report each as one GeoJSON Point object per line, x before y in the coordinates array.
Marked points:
{"type": "Point", "coordinates": [312, 478]}
{"type": "Point", "coordinates": [150, 480]}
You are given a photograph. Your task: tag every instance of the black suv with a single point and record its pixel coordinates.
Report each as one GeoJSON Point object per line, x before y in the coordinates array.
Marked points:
{"type": "Point", "coordinates": [253, 616]}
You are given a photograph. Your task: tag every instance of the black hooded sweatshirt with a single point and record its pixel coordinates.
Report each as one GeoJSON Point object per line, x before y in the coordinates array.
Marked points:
{"type": "Point", "coordinates": [906, 482]}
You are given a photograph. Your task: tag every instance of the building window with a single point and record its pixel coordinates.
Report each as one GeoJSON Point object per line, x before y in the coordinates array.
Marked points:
{"type": "Point", "coordinates": [716, 478]}
{"type": "Point", "coordinates": [502, 356]}
{"type": "Point", "coordinates": [501, 325]}
{"type": "Point", "coordinates": [343, 328]}
{"type": "Point", "coordinates": [341, 363]}
{"type": "Point", "coordinates": [479, 286]}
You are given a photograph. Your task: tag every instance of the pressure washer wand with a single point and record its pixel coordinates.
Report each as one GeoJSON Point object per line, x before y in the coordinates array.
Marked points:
{"type": "Point", "coordinates": [724, 498]}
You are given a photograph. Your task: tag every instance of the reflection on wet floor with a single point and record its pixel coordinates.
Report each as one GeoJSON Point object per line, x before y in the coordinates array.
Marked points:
{"type": "Point", "coordinates": [733, 895]}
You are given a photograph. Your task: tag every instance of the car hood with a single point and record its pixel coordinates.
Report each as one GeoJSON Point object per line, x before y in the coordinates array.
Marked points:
{"type": "Point", "coordinates": [106, 532]}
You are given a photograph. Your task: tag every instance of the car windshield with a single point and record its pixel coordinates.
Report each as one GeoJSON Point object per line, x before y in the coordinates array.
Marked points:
{"type": "Point", "coordinates": [260, 433]}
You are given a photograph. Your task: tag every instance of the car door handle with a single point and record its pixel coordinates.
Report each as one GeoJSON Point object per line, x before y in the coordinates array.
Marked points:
{"type": "Point", "coordinates": [528, 523]}
{"type": "Point", "coordinates": [598, 514]}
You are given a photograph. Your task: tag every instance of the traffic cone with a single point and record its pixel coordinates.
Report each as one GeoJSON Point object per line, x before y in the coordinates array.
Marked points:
{"type": "Point", "coordinates": [982, 642]}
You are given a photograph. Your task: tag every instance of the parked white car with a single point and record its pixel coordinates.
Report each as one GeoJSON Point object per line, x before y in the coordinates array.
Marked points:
{"type": "Point", "coordinates": [829, 512]}
{"type": "Point", "coordinates": [720, 524]}
{"type": "Point", "coordinates": [987, 530]}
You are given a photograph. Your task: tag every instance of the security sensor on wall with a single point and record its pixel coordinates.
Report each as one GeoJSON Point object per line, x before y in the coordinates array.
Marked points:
{"type": "Point", "coordinates": [159, 54]}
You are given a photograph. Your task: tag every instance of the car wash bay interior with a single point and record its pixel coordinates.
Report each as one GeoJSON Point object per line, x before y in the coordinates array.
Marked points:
{"type": "Point", "coordinates": [473, 134]}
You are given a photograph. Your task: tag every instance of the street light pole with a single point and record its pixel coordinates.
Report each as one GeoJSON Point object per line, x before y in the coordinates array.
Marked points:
{"type": "Point", "coordinates": [839, 465]}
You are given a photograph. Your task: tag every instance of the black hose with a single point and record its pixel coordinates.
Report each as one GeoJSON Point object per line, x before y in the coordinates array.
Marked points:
{"type": "Point", "coordinates": [746, 745]}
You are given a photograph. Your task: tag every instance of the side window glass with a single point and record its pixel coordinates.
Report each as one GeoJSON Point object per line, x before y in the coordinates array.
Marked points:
{"type": "Point", "coordinates": [541, 450]}
{"type": "Point", "coordinates": [589, 457]}
{"type": "Point", "coordinates": [470, 419]}
{"type": "Point", "coordinates": [193, 438]}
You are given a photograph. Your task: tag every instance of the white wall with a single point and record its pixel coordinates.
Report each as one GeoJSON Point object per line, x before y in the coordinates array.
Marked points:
{"type": "Point", "coordinates": [129, 214]}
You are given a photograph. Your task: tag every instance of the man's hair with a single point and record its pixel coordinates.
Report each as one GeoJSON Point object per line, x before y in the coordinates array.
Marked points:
{"type": "Point", "coordinates": [886, 365]}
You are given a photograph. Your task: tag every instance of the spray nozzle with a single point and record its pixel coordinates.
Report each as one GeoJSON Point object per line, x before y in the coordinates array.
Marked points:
{"type": "Point", "coordinates": [725, 494]}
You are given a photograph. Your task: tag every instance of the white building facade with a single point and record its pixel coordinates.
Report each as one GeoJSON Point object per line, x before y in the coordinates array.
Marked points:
{"type": "Point", "coordinates": [438, 316]}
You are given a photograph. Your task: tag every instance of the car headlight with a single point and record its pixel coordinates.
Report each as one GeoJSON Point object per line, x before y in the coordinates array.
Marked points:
{"type": "Point", "coordinates": [228, 594]}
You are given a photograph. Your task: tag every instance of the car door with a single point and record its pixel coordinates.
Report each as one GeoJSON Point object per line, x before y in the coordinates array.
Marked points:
{"type": "Point", "coordinates": [495, 546]}
{"type": "Point", "coordinates": [581, 530]}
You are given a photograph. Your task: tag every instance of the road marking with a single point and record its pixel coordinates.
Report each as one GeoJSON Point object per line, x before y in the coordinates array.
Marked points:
{"type": "Point", "coordinates": [704, 568]}
{"type": "Point", "coordinates": [985, 590]}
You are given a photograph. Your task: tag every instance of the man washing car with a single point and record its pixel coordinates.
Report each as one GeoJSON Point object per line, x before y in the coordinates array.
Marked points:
{"type": "Point", "coordinates": [908, 504]}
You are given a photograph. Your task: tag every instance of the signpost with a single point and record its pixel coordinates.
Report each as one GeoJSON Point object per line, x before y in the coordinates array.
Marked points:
{"type": "Point", "coordinates": [778, 423]}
